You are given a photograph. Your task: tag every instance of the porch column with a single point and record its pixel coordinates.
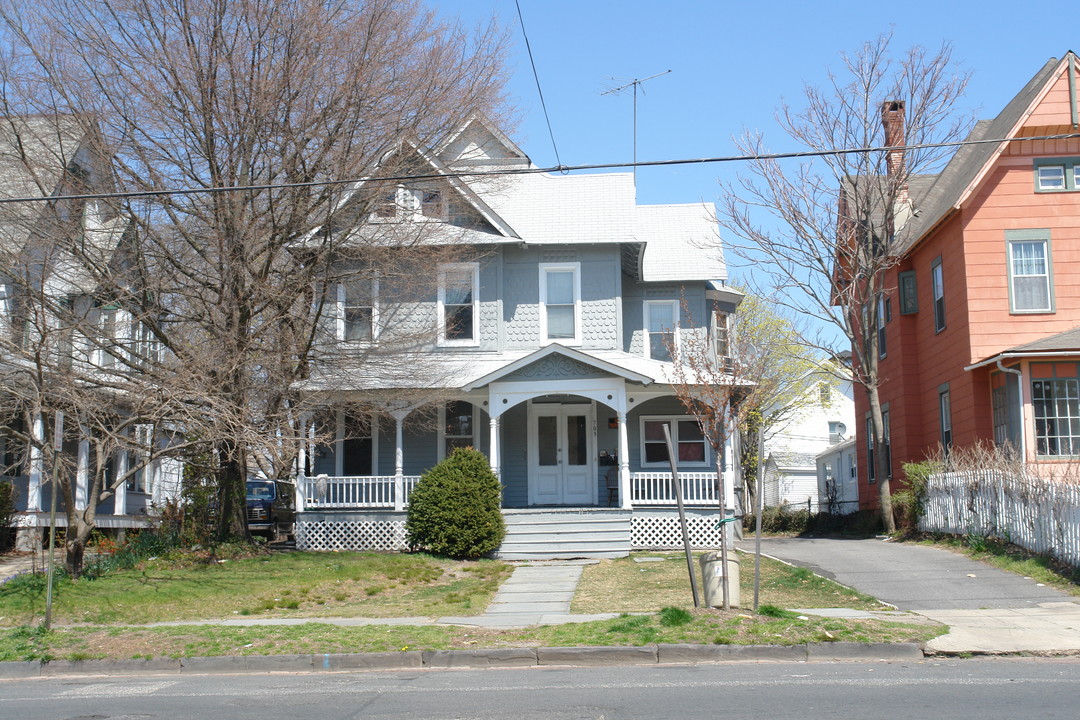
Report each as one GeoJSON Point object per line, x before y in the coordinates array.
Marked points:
{"type": "Point", "coordinates": [624, 462]}
{"type": "Point", "coordinates": [33, 486]}
{"type": "Point", "coordinates": [82, 472]}
{"type": "Point", "coordinates": [399, 461]}
{"type": "Point", "coordinates": [494, 456]}
{"type": "Point", "coordinates": [120, 493]}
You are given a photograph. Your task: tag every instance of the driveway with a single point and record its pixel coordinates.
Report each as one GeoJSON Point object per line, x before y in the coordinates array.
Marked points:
{"type": "Point", "coordinates": [911, 577]}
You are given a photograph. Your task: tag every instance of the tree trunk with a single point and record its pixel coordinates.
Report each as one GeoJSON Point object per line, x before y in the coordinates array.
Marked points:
{"type": "Point", "coordinates": [232, 498]}
{"type": "Point", "coordinates": [882, 469]}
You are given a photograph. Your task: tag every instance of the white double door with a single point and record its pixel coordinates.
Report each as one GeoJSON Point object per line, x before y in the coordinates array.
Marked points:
{"type": "Point", "coordinates": [562, 469]}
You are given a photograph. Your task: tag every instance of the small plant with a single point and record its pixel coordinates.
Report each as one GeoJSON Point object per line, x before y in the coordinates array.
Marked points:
{"type": "Point", "coordinates": [910, 502]}
{"type": "Point", "coordinates": [774, 611]}
{"type": "Point", "coordinates": [454, 510]}
{"type": "Point", "coordinates": [674, 617]}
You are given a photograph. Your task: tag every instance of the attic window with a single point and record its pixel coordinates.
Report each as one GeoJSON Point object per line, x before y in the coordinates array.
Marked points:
{"type": "Point", "coordinates": [432, 204]}
{"type": "Point", "coordinates": [1057, 174]}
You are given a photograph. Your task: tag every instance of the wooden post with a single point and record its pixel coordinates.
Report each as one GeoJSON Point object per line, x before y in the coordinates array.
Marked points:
{"type": "Point", "coordinates": [682, 519]}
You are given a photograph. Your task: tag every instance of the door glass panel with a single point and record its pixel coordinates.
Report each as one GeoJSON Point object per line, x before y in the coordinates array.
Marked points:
{"type": "Point", "coordinates": [547, 439]}
{"type": "Point", "coordinates": [576, 445]}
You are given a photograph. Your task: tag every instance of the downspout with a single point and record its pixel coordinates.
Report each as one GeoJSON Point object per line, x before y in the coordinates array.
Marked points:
{"type": "Point", "coordinates": [1020, 400]}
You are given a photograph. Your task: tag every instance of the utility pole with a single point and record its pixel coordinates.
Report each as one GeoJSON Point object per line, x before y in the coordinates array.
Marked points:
{"type": "Point", "coordinates": [619, 91]}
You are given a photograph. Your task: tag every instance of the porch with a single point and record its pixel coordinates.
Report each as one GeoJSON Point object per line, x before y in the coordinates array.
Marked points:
{"type": "Point", "coordinates": [368, 513]}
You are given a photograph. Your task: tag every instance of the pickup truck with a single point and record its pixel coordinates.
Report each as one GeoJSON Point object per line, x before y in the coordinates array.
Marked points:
{"type": "Point", "coordinates": [270, 508]}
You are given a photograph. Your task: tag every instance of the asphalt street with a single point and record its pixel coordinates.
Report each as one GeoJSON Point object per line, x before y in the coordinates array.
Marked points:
{"type": "Point", "coordinates": [988, 689]}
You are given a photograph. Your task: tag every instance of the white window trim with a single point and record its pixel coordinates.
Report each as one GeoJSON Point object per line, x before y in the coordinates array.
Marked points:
{"type": "Point", "coordinates": [474, 268]}
{"type": "Point", "coordinates": [545, 268]}
{"type": "Point", "coordinates": [442, 428]}
{"type": "Point", "coordinates": [340, 324]}
{"type": "Point", "coordinates": [673, 421]}
{"type": "Point", "coordinates": [141, 480]}
{"type": "Point", "coordinates": [1013, 237]}
{"type": "Point", "coordinates": [674, 305]}
{"type": "Point", "coordinates": [714, 332]}
{"type": "Point", "coordinates": [339, 443]}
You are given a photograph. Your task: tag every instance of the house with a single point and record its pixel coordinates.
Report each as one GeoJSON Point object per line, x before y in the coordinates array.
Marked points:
{"type": "Point", "coordinates": [982, 327]}
{"type": "Point", "coordinates": [56, 335]}
{"type": "Point", "coordinates": [549, 347]}
{"type": "Point", "coordinates": [819, 421]}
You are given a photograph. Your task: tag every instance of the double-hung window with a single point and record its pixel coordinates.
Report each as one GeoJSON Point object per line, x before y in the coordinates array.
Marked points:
{"type": "Point", "coordinates": [139, 460]}
{"type": "Point", "coordinates": [937, 282]}
{"type": "Point", "coordinates": [1031, 287]}
{"type": "Point", "coordinates": [560, 302]}
{"type": "Point", "coordinates": [945, 417]}
{"type": "Point", "coordinates": [721, 338]}
{"type": "Point", "coordinates": [459, 287]}
{"type": "Point", "coordinates": [458, 426]}
{"type": "Point", "coordinates": [357, 315]}
{"type": "Point", "coordinates": [686, 436]}
{"type": "Point", "coordinates": [661, 328]}
{"type": "Point", "coordinates": [883, 316]}
{"type": "Point", "coordinates": [871, 465]}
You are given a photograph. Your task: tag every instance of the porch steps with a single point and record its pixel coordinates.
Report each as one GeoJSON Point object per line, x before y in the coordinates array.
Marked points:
{"type": "Point", "coordinates": [565, 534]}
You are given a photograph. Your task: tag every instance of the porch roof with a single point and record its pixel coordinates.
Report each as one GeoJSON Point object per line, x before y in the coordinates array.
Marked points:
{"type": "Point", "coordinates": [1063, 344]}
{"type": "Point", "coordinates": [557, 349]}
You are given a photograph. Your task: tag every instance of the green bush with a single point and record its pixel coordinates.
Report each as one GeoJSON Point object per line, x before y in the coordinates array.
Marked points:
{"type": "Point", "coordinates": [454, 510]}
{"type": "Point", "coordinates": [909, 502]}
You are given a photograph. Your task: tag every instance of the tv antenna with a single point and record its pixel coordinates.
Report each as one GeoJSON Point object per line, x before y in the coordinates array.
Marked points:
{"type": "Point", "coordinates": [621, 90]}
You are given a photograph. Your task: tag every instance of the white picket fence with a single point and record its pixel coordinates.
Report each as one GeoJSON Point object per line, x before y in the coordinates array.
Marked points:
{"type": "Point", "coordinates": [1040, 515]}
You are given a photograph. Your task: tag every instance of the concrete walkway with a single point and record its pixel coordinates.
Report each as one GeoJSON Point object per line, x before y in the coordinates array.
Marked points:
{"type": "Point", "coordinates": [538, 593]}
{"type": "Point", "coordinates": [987, 610]}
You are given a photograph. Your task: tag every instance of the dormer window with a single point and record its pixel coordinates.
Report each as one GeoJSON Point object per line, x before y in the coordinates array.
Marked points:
{"type": "Point", "coordinates": [411, 203]}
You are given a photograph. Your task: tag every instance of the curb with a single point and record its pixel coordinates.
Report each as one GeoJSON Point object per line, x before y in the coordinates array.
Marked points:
{"type": "Point", "coordinates": [491, 658]}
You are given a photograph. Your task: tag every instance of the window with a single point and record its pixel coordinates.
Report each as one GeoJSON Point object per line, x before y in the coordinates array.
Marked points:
{"type": "Point", "coordinates": [945, 416]}
{"type": "Point", "coordinates": [909, 293]}
{"type": "Point", "coordinates": [886, 450]}
{"type": "Point", "coordinates": [1030, 279]}
{"type": "Point", "coordinates": [432, 203]}
{"type": "Point", "coordinates": [108, 333]}
{"type": "Point", "coordinates": [661, 327]}
{"type": "Point", "coordinates": [357, 309]}
{"type": "Point", "coordinates": [721, 338]}
{"type": "Point", "coordinates": [871, 465]}
{"type": "Point", "coordinates": [883, 315]}
{"type": "Point", "coordinates": [459, 428]}
{"type": "Point", "coordinates": [938, 282]}
{"type": "Point", "coordinates": [686, 435]}
{"type": "Point", "coordinates": [1057, 174]}
{"type": "Point", "coordinates": [357, 444]}
{"type": "Point", "coordinates": [139, 459]}
{"type": "Point", "coordinates": [1057, 416]}
{"type": "Point", "coordinates": [560, 302]}
{"type": "Point", "coordinates": [459, 287]}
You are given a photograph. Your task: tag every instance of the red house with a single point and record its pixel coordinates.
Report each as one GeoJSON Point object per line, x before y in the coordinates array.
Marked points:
{"type": "Point", "coordinates": [982, 332]}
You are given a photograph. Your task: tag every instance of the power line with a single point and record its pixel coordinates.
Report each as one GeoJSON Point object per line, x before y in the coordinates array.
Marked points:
{"type": "Point", "coordinates": [135, 194]}
{"type": "Point", "coordinates": [536, 76]}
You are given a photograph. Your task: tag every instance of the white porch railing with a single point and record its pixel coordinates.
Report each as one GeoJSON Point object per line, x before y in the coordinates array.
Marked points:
{"type": "Point", "coordinates": [655, 488]}
{"type": "Point", "coordinates": [375, 491]}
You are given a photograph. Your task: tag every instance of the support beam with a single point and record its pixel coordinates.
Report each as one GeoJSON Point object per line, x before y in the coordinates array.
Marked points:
{"type": "Point", "coordinates": [494, 454]}
{"type": "Point", "coordinates": [33, 487]}
{"type": "Point", "coordinates": [624, 462]}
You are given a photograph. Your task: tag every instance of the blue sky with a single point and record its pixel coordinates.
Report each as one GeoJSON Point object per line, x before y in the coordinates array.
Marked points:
{"type": "Point", "coordinates": [732, 64]}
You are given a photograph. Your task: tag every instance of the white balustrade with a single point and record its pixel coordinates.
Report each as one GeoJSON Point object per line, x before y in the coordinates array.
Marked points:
{"type": "Point", "coordinates": [374, 491]}
{"type": "Point", "coordinates": [655, 488]}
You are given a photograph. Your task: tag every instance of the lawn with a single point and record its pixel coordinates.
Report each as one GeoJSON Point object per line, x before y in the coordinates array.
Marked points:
{"type": "Point", "coordinates": [314, 585]}
{"type": "Point", "coordinates": [285, 584]}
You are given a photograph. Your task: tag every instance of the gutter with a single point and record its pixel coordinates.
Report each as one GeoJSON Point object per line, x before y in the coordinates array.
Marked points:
{"type": "Point", "coordinates": [1020, 355]}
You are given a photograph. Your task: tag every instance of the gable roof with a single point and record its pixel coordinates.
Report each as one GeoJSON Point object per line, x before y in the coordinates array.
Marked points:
{"type": "Point", "coordinates": [557, 349]}
{"type": "Point", "coordinates": [480, 142]}
{"type": "Point", "coordinates": [970, 162]}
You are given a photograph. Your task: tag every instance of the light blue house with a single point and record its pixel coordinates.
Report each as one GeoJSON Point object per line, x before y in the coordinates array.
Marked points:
{"type": "Point", "coordinates": [546, 346]}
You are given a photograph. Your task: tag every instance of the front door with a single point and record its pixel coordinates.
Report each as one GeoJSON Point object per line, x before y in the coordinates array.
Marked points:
{"type": "Point", "coordinates": [561, 468]}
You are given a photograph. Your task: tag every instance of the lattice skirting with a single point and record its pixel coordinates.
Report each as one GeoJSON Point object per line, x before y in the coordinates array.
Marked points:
{"type": "Point", "coordinates": [387, 534]}
{"type": "Point", "coordinates": [649, 530]}
{"type": "Point", "coordinates": [656, 531]}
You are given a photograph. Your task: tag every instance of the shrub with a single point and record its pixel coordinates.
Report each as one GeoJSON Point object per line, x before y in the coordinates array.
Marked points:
{"type": "Point", "coordinates": [455, 508]}
{"type": "Point", "coordinates": [7, 512]}
{"type": "Point", "coordinates": [909, 502]}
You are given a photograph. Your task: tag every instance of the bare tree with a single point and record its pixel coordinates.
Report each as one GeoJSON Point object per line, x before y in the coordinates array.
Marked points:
{"type": "Point", "coordinates": [260, 109]}
{"type": "Point", "coordinates": [826, 230]}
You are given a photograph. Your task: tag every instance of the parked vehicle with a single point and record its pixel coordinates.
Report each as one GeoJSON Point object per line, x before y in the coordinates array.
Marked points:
{"type": "Point", "coordinates": [270, 508]}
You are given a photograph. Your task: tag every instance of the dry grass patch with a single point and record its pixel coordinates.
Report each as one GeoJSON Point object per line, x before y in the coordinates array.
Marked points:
{"type": "Point", "coordinates": [627, 585]}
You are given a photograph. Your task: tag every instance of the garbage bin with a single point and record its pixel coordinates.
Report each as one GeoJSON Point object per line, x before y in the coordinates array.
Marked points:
{"type": "Point", "coordinates": [712, 573]}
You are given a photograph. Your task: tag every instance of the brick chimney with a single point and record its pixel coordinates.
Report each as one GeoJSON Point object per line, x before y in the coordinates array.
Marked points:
{"type": "Point", "coordinates": [892, 119]}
